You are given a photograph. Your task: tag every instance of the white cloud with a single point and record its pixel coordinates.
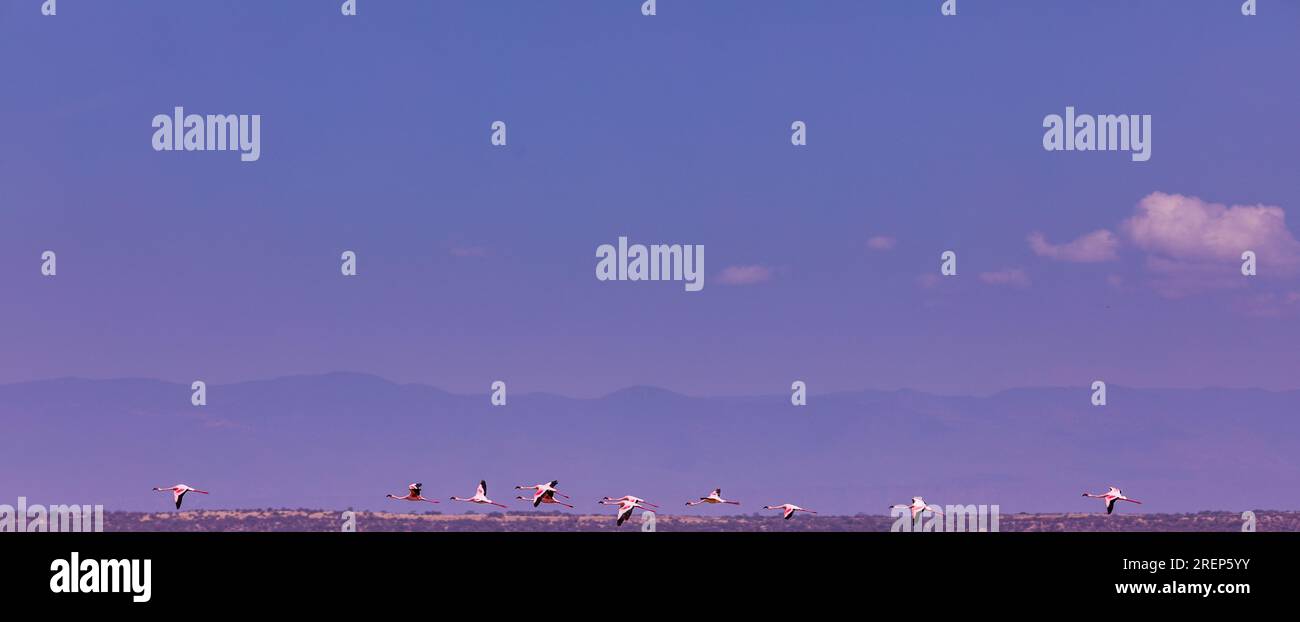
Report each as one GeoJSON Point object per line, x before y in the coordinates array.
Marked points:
{"type": "Point", "coordinates": [881, 243]}
{"type": "Point", "coordinates": [1189, 246]}
{"type": "Point", "coordinates": [1193, 246]}
{"type": "Point", "coordinates": [1187, 230]}
{"type": "Point", "coordinates": [1094, 247]}
{"type": "Point", "coordinates": [744, 275]}
{"type": "Point", "coordinates": [929, 280]}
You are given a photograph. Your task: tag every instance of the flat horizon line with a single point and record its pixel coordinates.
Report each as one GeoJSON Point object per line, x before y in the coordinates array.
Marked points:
{"type": "Point", "coordinates": [642, 387]}
{"type": "Point", "coordinates": [757, 512]}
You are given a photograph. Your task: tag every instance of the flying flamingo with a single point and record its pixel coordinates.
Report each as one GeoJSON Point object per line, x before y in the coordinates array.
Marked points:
{"type": "Point", "coordinates": [628, 498]}
{"type": "Point", "coordinates": [178, 492]}
{"type": "Point", "coordinates": [714, 497]}
{"type": "Point", "coordinates": [625, 507]}
{"type": "Point", "coordinates": [544, 493]}
{"type": "Point", "coordinates": [1111, 496]}
{"type": "Point", "coordinates": [480, 496]}
{"type": "Point", "coordinates": [788, 508]}
{"type": "Point", "coordinates": [413, 495]}
{"type": "Point", "coordinates": [918, 505]}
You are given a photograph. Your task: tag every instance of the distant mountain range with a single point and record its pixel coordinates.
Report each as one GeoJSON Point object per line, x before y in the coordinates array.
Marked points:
{"type": "Point", "coordinates": [344, 440]}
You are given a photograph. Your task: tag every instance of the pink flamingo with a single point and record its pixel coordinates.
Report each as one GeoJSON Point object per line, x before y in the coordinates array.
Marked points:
{"type": "Point", "coordinates": [544, 493]}
{"type": "Point", "coordinates": [788, 508]}
{"type": "Point", "coordinates": [628, 498]}
{"type": "Point", "coordinates": [918, 505]}
{"type": "Point", "coordinates": [714, 497]}
{"type": "Point", "coordinates": [413, 495]}
{"type": "Point", "coordinates": [178, 492]}
{"type": "Point", "coordinates": [1110, 496]}
{"type": "Point", "coordinates": [625, 507]}
{"type": "Point", "coordinates": [480, 496]}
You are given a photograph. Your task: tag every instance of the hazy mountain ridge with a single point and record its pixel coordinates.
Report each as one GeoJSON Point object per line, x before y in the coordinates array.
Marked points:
{"type": "Point", "coordinates": [346, 439]}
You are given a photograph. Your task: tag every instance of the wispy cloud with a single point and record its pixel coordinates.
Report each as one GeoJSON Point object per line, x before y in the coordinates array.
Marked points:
{"type": "Point", "coordinates": [1093, 247]}
{"type": "Point", "coordinates": [744, 275]}
{"type": "Point", "coordinates": [1188, 245]}
{"type": "Point", "coordinates": [1271, 304]}
{"type": "Point", "coordinates": [881, 243]}
{"type": "Point", "coordinates": [1012, 277]}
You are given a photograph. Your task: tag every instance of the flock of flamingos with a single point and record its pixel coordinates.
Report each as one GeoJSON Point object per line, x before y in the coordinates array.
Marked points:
{"type": "Point", "coordinates": [547, 493]}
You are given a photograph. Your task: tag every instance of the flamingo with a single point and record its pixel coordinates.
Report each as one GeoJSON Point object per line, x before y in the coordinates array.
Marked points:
{"type": "Point", "coordinates": [625, 507]}
{"type": "Point", "coordinates": [714, 497]}
{"type": "Point", "coordinates": [628, 498]}
{"type": "Point", "coordinates": [480, 496]}
{"type": "Point", "coordinates": [788, 508]}
{"type": "Point", "coordinates": [1111, 496]}
{"type": "Point", "coordinates": [544, 493]}
{"type": "Point", "coordinates": [918, 505]}
{"type": "Point", "coordinates": [413, 495]}
{"type": "Point", "coordinates": [178, 492]}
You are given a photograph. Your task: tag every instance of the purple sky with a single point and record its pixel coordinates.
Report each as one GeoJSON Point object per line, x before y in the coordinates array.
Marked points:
{"type": "Point", "coordinates": [477, 263]}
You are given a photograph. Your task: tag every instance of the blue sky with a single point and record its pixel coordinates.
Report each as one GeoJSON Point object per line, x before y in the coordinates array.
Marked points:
{"type": "Point", "coordinates": [476, 263]}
